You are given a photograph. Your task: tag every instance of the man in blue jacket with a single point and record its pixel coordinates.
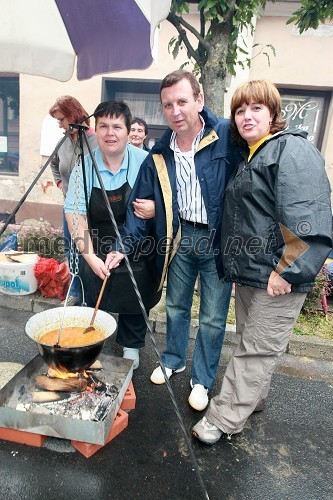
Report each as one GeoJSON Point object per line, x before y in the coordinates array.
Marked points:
{"type": "Point", "coordinates": [185, 174]}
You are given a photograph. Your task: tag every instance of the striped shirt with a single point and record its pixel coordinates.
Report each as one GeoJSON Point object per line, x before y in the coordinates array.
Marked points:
{"type": "Point", "coordinates": [190, 201]}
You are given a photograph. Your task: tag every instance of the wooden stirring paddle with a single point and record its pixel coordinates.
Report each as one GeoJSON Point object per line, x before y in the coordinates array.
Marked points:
{"type": "Point", "coordinates": [90, 328]}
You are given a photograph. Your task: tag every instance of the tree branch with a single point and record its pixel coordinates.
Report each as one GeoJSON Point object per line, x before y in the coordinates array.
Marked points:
{"type": "Point", "coordinates": [229, 15]}
{"type": "Point", "coordinates": [202, 24]}
{"type": "Point", "coordinates": [178, 21]}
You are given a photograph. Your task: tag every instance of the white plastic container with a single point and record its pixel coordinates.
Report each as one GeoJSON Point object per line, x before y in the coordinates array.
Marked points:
{"type": "Point", "coordinates": [18, 278]}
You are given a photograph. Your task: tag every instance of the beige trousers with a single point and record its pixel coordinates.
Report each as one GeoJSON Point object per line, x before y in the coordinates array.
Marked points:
{"type": "Point", "coordinates": [263, 328]}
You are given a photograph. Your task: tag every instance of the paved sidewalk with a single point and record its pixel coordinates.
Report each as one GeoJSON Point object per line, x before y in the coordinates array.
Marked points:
{"type": "Point", "coordinates": [309, 346]}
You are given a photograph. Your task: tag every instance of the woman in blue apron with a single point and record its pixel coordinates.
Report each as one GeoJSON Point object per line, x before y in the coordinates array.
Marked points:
{"type": "Point", "coordinates": [88, 218]}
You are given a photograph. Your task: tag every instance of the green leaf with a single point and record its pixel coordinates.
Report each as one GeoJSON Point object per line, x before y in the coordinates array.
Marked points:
{"type": "Point", "coordinates": [175, 51]}
{"type": "Point", "coordinates": [182, 66]}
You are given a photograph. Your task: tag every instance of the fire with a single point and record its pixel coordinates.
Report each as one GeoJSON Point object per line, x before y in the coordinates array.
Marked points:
{"type": "Point", "coordinates": [61, 373]}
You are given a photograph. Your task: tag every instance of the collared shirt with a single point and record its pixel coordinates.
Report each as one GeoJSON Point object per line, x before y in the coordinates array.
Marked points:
{"type": "Point", "coordinates": [190, 201]}
{"type": "Point", "coordinates": [75, 199]}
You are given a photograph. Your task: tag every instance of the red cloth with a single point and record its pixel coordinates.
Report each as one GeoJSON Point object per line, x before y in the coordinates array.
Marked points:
{"type": "Point", "coordinates": [52, 277]}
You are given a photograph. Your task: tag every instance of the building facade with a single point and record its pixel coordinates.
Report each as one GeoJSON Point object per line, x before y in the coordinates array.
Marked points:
{"type": "Point", "coordinates": [301, 69]}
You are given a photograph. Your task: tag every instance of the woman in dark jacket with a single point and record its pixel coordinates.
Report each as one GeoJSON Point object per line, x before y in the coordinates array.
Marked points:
{"type": "Point", "coordinates": [276, 235]}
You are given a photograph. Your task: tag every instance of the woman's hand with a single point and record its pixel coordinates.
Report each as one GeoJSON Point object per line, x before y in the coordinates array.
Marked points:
{"type": "Point", "coordinates": [97, 265]}
{"type": "Point", "coordinates": [144, 209]}
{"type": "Point", "coordinates": [277, 285]}
{"type": "Point", "coordinates": [113, 259]}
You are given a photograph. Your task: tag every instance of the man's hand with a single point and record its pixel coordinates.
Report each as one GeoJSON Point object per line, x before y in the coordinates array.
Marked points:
{"type": "Point", "coordinates": [113, 259]}
{"type": "Point", "coordinates": [144, 209]}
{"type": "Point", "coordinates": [277, 285]}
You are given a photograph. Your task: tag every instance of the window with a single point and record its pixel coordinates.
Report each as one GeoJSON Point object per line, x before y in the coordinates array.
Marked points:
{"type": "Point", "coordinates": [143, 99]}
{"type": "Point", "coordinates": [146, 106]}
{"type": "Point", "coordinates": [306, 110]}
{"type": "Point", "coordinates": [9, 124]}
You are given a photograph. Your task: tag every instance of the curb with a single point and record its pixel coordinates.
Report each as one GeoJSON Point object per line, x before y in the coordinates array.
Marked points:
{"type": "Point", "coordinates": [309, 346]}
{"type": "Point", "coordinates": [33, 302]}
{"type": "Point", "coordinates": [299, 345]}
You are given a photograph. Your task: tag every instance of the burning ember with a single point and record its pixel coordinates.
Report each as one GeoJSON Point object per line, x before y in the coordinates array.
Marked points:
{"type": "Point", "coordinates": [79, 406]}
{"type": "Point", "coordinates": [79, 395]}
{"type": "Point", "coordinates": [63, 373]}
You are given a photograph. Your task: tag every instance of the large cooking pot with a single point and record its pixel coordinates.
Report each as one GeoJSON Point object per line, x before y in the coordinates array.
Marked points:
{"type": "Point", "coordinates": [72, 359]}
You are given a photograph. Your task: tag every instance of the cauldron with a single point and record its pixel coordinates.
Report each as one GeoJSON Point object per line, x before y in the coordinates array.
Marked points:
{"type": "Point", "coordinates": [72, 359]}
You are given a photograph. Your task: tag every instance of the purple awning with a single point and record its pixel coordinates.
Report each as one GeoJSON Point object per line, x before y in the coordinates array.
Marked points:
{"type": "Point", "coordinates": [107, 35]}
{"type": "Point", "coordinates": [44, 37]}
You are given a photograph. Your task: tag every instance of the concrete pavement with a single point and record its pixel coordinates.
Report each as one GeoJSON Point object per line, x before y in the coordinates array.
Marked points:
{"type": "Point", "coordinates": [285, 452]}
{"type": "Point", "coordinates": [311, 346]}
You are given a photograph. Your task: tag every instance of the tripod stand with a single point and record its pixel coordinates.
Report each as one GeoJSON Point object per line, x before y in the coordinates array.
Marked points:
{"type": "Point", "coordinates": [34, 182]}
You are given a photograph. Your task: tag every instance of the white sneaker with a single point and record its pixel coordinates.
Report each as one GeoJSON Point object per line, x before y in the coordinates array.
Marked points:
{"type": "Point", "coordinates": [198, 398]}
{"type": "Point", "coordinates": [132, 354]}
{"type": "Point", "coordinates": [206, 431]}
{"type": "Point", "coordinates": [157, 376]}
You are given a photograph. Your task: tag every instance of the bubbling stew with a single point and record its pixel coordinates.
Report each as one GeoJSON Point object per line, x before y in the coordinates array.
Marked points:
{"type": "Point", "coordinates": [72, 336]}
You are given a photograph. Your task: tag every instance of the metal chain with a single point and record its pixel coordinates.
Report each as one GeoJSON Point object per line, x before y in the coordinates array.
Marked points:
{"type": "Point", "coordinates": [74, 253]}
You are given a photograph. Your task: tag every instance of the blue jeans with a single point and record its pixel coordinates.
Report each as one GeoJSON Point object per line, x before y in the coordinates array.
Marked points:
{"type": "Point", "coordinates": [76, 289]}
{"type": "Point", "coordinates": [195, 257]}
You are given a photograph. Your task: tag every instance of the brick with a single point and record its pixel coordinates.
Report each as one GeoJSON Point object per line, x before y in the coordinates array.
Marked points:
{"type": "Point", "coordinates": [129, 400]}
{"type": "Point", "coordinates": [22, 437]}
{"type": "Point", "coordinates": [87, 449]}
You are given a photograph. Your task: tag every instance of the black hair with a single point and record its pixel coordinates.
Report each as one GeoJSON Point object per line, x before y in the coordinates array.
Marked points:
{"type": "Point", "coordinates": [114, 108]}
{"type": "Point", "coordinates": [141, 122]}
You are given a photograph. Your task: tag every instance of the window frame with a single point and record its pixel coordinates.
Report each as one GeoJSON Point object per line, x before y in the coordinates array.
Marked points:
{"type": "Point", "coordinates": [110, 86]}
{"type": "Point", "coordinates": [4, 131]}
{"type": "Point", "coordinates": [325, 94]}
